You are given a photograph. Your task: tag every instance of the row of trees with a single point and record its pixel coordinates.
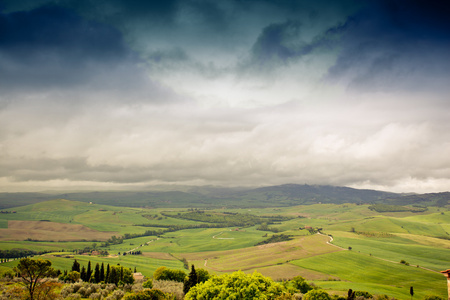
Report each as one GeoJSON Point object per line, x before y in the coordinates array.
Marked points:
{"type": "Point", "coordinates": [228, 219]}
{"type": "Point", "coordinates": [19, 253]}
{"type": "Point", "coordinates": [111, 274]}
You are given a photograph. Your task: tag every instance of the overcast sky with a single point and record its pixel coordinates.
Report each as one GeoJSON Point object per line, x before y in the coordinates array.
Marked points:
{"type": "Point", "coordinates": [127, 94]}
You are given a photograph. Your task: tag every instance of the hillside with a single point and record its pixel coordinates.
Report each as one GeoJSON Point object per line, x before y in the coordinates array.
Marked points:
{"type": "Point", "coordinates": [208, 197]}
{"type": "Point", "coordinates": [432, 199]}
{"type": "Point", "coordinates": [294, 194]}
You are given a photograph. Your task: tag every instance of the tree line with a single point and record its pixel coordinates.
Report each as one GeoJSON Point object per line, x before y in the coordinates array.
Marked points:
{"type": "Point", "coordinates": [117, 275]}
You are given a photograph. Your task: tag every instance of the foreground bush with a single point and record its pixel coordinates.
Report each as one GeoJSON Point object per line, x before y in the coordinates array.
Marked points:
{"type": "Point", "coordinates": [164, 273]}
{"type": "Point", "coordinates": [153, 294]}
{"type": "Point", "coordinates": [90, 290]}
{"type": "Point", "coordinates": [432, 297]}
{"type": "Point", "coordinates": [316, 295]}
{"type": "Point", "coordinates": [174, 288]}
{"type": "Point", "coordinates": [237, 285]}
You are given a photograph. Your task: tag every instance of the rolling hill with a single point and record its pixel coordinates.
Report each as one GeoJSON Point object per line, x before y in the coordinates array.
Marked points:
{"type": "Point", "coordinates": [207, 197]}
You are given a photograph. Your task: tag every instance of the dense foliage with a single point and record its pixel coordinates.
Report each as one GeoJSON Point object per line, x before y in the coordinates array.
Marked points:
{"type": "Point", "coordinates": [396, 208]}
{"type": "Point", "coordinates": [316, 295]}
{"type": "Point", "coordinates": [19, 253]}
{"type": "Point", "coordinates": [276, 238]}
{"type": "Point", "coordinates": [237, 285]}
{"type": "Point", "coordinates": [228, 219]}
{"type": "Point", "coordinates": [164, 273]}
{"type": "Point", "coordinates": [147, 294]}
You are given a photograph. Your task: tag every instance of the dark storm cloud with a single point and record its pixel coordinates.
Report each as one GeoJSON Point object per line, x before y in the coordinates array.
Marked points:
{"type": "Point", "coordinates": [395, 45]}
{"type": "Point", "coordinates": [53, 47]}
{"type": "Point", "coordinates": [276, 41]}
{"type": "Point", "coordinates": [283, 43]}
{"type": "Point", "coordinates": [79, 80]}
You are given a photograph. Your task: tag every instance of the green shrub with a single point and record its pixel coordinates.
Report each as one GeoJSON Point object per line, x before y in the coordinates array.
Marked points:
{"type": "Point", "coordinates": [432, 297]}
{"type": "Point", "coordinates": [148, 284]}
{"type": "Point", "coordinates": [300, 284]}
{"type": "Point", "coordinates": [153, 294]}
{"type": "Point", "coordinates": [173, 288]}
{"type": "Point", "coordinates": [364, 294]}
{"type": "Point", "coordinates": [316, 295]}
{"type": "Point", "coordinates": [164, 273]}
{"type": "Point", "coordinates": [237, 285]}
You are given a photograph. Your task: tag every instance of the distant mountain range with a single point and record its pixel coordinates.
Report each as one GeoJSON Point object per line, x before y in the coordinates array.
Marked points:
{"type": "Point", "coordinates": [211, 197]}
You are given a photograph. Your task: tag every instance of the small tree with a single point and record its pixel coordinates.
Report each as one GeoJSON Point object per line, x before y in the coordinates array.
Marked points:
{"type": "Point", "coordinates": [97, 273]}
{"type": "Point", "coordinates": [34, 272]}
{"type": "Point", "coordinates": [191, 281]}
{"type": "Point", "coordinates": [83, 273]}
{"type": "Point", "coordinates": [102, 272]}
{"type": "Point", "coordinates": [300, 284]}
{"type": "Point", "coordinates": [350, 295]}
{"type": "Point", "coordinates": [76, 266]}
{"type": "Point", "coordinates": [72, 276]}
{"type": "Point", "coordinates": [88, 272]}
{"type": "Point", "coordinates": [107, 275]}
{"type": "Point", "coordinates": [148, 284]}
{"type": "Point", "coordinates": [202, 275]}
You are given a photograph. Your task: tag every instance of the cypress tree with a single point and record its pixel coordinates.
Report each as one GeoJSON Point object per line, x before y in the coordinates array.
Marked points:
{"type": "Point", "coordinates": [76, 266]}
{"type": "Point", "coordinates": [191, 281]}
{"type": "Point", "coordinates": [102, 272]}
{"type": "Point", "coordinates": [83, 273]}
{"type": "Point", "coordinates": [113, 276]}
{"type": "Point", "coordinates": [350, 294]}
{"type": "Point", "coordinates": [88, 272]}
{"type": "Point", "coordinates": [97, 273]}
{"type": "Point", "coordinates": [108, 274]}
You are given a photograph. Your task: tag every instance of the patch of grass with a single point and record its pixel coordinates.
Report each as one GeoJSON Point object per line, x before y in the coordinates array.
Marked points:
{"type": "Point", "coordinates": [396, 249]}
{"type": "Point", "coordinates": [384, 276]}
{"type": "Point", "coordinates": [43, 246]}
{"type": "Point", "coordinates": [3, 223]}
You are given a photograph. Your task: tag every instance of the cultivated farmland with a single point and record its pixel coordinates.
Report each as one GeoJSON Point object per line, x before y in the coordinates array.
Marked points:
{"type": "Point", "coordinates": [336, 246]}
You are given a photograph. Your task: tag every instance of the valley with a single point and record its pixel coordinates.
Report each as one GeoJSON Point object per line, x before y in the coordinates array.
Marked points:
{"type": "Point", "coordinates": [335, 246]}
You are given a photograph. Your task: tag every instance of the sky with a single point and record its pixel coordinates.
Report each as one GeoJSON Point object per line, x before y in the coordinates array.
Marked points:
{"type": "Point", "coordinates": [129, 94]}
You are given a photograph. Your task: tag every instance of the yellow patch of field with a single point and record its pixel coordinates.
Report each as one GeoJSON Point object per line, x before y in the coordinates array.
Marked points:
{"type": "Point", "coordinates": [426, 240]}
{"type": "Point", "coordinates": [44, 231]}
{"type": "Point", "coordinates": [289, 271]}
{"type": "Point", "coordinates": [261, 256]}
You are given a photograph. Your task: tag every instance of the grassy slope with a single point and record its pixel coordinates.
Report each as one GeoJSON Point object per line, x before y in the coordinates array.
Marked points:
{"type": "Point", "coordinates": [396, 249]}
{"type": "Point", "coordinates": [362, 272]}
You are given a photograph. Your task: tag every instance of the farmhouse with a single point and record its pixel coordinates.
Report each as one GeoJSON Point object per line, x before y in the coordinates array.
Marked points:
{"type": "Point", "coordinates": [138, 276]}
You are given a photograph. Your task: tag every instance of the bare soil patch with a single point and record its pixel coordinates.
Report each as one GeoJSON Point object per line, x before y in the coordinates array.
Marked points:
{"type": "Point", "coordinates": [51, 231]}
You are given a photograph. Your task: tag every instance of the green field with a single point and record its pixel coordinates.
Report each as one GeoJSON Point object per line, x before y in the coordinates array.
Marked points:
{"type": "Point", "coordinates": [378, 242]}
{"type": "Point", "coordinates": [361, 272]}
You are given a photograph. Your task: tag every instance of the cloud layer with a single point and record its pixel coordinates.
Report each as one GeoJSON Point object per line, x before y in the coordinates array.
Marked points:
{"type": "Point", "coordinates": [119, 94]}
